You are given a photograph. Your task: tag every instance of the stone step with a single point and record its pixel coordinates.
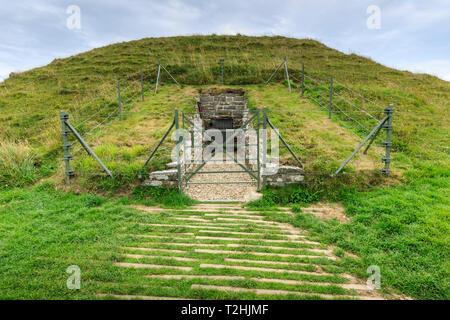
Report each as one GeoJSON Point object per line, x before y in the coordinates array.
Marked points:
{"type": "Point", "coordinates": [219, 221]}
{"type": "Point", "coordinates": [149, 266]}
{"type": "Point", "coordinates": [192, 219]}
{"type": "Point", "coordinates": [263, 269]}
{"type": "Point", "coordinates": [226, 229]}
{"type": "Point", "coordinates": [324, 251]}
{"type": "Point", "coordinates": [223, 211]}
{"type": "Point", "coordinates": [237, 214]}
{"type": "Point", "coordinates": [162, 237]}
{"type": "Point", "coordinates": [133, 297]}
{"type": "Point", "coordinates": [270, 291]}
{"type": "Point", "coordinates": [290, 236]}
{"type": "Point", "coordinates": [236, 206]}
{"type": "Point", "coordinates": [233, 245]}
{"type": "Point", "coordinates": [281, 263]}
{"type": "Point", "coordinates": [347, 286]}
{"type": "Point", "coordinates": [141, 256]}
{"type": "Point", "coordinates": [191, 277]}
{"type": "Point", "coordinates": [152, 249]}
{"type": "Point", "coordinates": [247, 220]}
{"type": "Point", "coordinates": [252, 239]}
{"type": "Point", "coordinates": [230, 224]}
{"type": "Point", "coordinates": [281, 255]}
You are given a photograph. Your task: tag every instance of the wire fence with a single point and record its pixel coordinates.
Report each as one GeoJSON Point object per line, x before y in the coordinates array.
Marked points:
{"type": "Point", "coordinates": [316, 89]}
{"type": "Point", "coordinates": [335, 101]}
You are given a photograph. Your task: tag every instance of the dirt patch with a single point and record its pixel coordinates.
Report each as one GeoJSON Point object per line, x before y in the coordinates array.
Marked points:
{"type": "Point", "coordinates": [328, 211]}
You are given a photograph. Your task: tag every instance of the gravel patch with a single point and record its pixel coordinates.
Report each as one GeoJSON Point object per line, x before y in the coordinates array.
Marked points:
{"type": "Point", "coordinates": [242, 192]}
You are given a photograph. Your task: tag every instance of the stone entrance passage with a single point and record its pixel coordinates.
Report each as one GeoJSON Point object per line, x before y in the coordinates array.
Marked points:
{"type": "Point", "coordinates": [223, 109]}
{"type": "Point", "coordinates": [223, 151]}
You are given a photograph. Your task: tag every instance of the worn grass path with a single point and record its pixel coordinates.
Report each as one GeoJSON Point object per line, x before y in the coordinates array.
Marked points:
{"type": "Point", "coordinates": [221, 251]}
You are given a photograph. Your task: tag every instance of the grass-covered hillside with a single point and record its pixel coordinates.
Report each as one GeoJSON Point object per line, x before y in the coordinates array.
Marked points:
{"type": "Point", "coordinates": [30, 101]}
{"type": "Point", "coordinates": [399, 223]}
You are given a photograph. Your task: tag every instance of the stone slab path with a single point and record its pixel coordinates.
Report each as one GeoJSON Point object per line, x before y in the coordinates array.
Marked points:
{"type": "Point", "coordinates": [249, 256]}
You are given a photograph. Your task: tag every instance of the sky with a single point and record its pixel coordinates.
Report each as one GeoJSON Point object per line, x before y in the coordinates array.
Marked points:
{"type": "Point", "coordinates": [409, 35]}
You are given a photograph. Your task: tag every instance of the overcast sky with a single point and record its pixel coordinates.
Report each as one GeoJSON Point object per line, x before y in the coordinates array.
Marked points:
{"type": "Point", "coordinates": [407, 34]}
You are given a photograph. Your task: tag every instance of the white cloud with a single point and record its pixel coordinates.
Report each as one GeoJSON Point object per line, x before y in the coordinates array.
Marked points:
{"type": "Point", "coordinates": [5, 71]}
{"type": "Point", "coordinates": [418, 15]}
{"type": "Point", "coordinates": [439, 68]}
{"type": "Point", "coordinates": [412, 30]}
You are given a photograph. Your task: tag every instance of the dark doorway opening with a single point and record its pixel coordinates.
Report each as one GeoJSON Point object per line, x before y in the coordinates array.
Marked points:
{"type": "Point", "coordinates": [223, 124]}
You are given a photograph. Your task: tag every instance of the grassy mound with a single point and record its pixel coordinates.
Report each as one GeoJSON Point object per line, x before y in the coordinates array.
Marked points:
{"type": "Point", "coordinates": [399, 224]}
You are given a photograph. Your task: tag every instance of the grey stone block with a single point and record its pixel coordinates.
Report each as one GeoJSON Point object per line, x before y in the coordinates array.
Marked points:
{"type": "Point", "coordinates": [163, 175]}
{"type": "Point", "coordinates": [290, 170]}
{"type": "Point", "coordinates": [171, 165]}
{"type": "Point", "coordinates": [297, 178]}
{"type": "Point", "coordinates": [153, 183]}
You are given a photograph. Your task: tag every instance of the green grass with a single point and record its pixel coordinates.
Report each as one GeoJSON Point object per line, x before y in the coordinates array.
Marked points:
{"type": "Point", "coordinates": [400, 223]}
{"type": "Point", "coordinates": [403, 229]}
{"type": "Point", "coordinates": [151, 196]}
{"type": "Point", "coordinates": [44, 231]}
{"type": "Point", "coordinates": [124, 146]}
{"type": "Point", "coordinates": [17, 165]}
{"type": "Point", "coordinates": [83, 83]}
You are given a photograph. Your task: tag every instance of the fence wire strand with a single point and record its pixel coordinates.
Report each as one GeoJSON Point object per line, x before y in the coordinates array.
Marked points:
{"type": "Point", "coordinates": [145, 81]}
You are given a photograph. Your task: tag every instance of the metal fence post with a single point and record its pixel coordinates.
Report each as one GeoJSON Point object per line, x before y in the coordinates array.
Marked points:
{"type": "Point", "coordinates": [389, 111]}
{"type": "Point", "coordinates": [264, 173]}
{"type": "Point", "coordinates": [142, 84]}
{"type": "Point", "coordinates": [192, 151]}
{"type": "Point", "coordinates": [221, 70]}
{"type": "Point", "coordinates": [177, 127]}
{"type": "Point", "coordinates": [66, 146]}
{"type": "Point", "coordinates": [286, 74]}
{"type": "Point", "coordinates": [258, 149]}
{"type": "Point", "coordinates": [119, 100]}
{"type": "Point", "coordinates": [86, 147]}
{"type": "Point", "coordinates": [157, 78]}
{"type": "Point", "coordinates": [331, 98]}
{"type": "Point", "coordinates": [303, 79]}
{"type": "Point", "coordinates": [184, 142]}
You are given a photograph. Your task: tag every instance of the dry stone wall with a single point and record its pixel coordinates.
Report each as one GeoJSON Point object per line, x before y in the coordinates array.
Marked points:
{"type": "Point", "coordinates": [223, 104]}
